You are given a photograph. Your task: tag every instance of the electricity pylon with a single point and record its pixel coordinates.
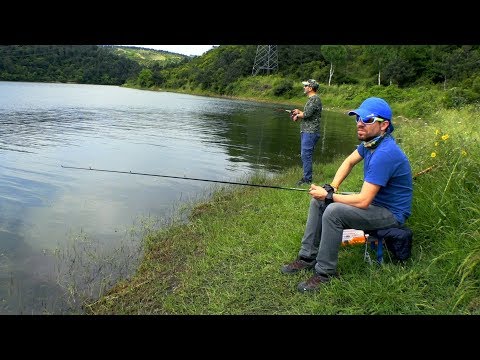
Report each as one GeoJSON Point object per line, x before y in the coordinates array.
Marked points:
{"type": "Point", "coordinates": [266, 59]}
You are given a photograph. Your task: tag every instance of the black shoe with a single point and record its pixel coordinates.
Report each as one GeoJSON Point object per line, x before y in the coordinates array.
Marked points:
{"type": "Point", "coordinates": [302, 181]}
{"type": "Point", "coordinates": [297, 266]}
{"type": "Point", "coordinates": [314, 283]}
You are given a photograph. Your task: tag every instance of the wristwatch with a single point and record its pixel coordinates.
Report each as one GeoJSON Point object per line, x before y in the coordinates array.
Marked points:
{"type": "Point", "coordinates": [329, 197]}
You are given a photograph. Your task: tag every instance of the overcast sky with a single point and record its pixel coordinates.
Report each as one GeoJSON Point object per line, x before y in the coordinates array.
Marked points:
{"type": "Point", "coordinates": [179, 49]}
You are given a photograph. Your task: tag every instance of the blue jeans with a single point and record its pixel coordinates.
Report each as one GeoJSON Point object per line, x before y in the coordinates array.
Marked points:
{"type": "Point", "coordinates": [324, 229]}
{"type": "Point", "coordinates": [307, 146]}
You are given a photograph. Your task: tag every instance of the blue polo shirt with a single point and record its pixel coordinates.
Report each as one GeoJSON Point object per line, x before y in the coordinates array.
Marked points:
{"type": "Point", "coordinates": [388, 166]}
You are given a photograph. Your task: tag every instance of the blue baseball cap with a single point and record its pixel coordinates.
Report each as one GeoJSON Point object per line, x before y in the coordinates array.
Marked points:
{"type": "Point", "coordinates": [374, 106]}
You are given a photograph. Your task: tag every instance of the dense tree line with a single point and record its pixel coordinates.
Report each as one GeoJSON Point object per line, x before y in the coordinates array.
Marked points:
{"type": "Point", "coordinates": [86, 64]}
{"type": "Point", "coordinates": [400, 65]}
{"type": "Point", "coordinates": [222, 69]}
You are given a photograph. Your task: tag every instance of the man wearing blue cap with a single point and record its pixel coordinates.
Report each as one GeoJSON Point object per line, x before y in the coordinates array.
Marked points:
{"type": "Point", "coordinates": [385, 200]}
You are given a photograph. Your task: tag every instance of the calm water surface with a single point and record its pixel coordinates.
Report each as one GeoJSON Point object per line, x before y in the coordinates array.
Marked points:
{"type": "Point", "coordinates": [61, 225]}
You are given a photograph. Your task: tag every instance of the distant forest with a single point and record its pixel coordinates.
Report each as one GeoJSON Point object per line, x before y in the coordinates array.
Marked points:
{"type": "Point", "coordinates": [217, 70]}
{"type": "Point", "coordinates": [84, 64]}
{"type": "Point", "coordinates": [404, 66]}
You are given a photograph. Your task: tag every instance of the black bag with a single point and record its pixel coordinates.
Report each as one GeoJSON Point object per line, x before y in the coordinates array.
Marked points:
{"type": "Point", "coordinates": [398, 242]}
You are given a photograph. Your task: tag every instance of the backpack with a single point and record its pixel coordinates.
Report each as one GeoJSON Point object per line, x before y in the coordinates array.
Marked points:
{"type": "Point", "coordinates": [398, 242]}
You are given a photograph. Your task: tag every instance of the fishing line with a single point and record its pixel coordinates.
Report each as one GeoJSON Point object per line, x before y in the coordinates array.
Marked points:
{"type": "Point", "coordinates": [185, 178]}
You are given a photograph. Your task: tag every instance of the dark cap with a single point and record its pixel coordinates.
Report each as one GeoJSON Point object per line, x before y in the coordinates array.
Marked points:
{"type": "Point", "coordinates": [311, 82]}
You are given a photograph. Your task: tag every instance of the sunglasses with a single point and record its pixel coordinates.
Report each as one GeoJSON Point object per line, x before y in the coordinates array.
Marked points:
{"type": "Point", "coordinates": [370, 120]}
{"type": "Point", "coordinates": [306, 85]}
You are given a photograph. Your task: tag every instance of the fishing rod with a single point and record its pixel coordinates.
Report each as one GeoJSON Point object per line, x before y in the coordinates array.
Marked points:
{"type": "Point", "coordinates": [278, 109]}
{"type": "Point", "coordinates": [423, 172]}
{"type": "Point", "coordinates": [290, 112]}
{"type": "Point", "coordinates": [184, 178]}
{"type": "Point", "coordinates": [221, 182]}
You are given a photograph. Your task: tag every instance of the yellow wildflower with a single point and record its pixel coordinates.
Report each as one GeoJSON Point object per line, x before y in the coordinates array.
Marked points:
{"type": "Point", "coordinates": [433, 154]}
{"type": "Point", "coordinates": [437, 132]}
{"type": "Point", "coordinates": [445, 137]}
{"type": "Point", "coordinates": [464, 153]}
{"type": "Point", "coordinates": [436, 143]}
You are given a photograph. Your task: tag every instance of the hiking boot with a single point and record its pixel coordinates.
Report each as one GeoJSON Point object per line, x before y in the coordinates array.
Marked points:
{"type": "Point", "coordinates": [297, 266]}
{"type": "Point", "coordinates": [314, 283]}
{"type": "Point", "coordinates": [302, 181]}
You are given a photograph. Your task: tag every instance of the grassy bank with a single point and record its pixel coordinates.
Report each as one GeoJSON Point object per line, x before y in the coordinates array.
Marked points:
{"type": "Point", "coordinates": [227, 258]}
{"type": "Point", "coordinates": [414, 102]}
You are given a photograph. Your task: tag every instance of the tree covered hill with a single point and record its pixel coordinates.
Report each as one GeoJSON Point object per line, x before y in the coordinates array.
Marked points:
{"type": "Point", "coordinates": [383, 65]}
{"type": "Point", "coordinates": [225, 69]}
{"type": "Point", "coordinates": [86, 64]}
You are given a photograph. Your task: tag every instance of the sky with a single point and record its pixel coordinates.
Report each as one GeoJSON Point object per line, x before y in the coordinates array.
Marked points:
{"type": "Point", "coordinates": [180, 49]}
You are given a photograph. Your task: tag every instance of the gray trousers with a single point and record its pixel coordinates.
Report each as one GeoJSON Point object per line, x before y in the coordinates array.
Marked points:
{"type": "Point", "coordinates": [325, 225]}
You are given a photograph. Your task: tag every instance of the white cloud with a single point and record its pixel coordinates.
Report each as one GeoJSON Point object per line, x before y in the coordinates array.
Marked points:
{"type": "Point", "coordinates": [180, 49]}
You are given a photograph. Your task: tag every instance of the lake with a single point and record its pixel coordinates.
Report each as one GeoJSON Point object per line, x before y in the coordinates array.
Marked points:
{"type": "Point", "coordinates": [60, 226]}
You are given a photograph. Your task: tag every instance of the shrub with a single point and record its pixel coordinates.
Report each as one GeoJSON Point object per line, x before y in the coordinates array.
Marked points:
{"type": "Point", "coordinates": [284, 87]}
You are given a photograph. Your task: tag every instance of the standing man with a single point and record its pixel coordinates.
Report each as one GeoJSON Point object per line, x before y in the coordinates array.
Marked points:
{"type": "Point", "coordinates": [385, 200]}
{"type": "Point", "coordinates": [309, 128]}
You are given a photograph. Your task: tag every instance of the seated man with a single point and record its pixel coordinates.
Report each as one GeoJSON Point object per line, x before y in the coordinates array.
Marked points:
{"type": "Point", "coordinates": [385, 200]}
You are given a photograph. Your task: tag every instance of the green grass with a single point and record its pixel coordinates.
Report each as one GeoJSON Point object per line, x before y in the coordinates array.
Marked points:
{"type": "Point", "coordinates": [226, 259]}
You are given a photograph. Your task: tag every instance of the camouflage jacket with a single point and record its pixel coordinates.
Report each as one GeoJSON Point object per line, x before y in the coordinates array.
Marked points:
{"type": "Point", "coordinates": [312, 115]}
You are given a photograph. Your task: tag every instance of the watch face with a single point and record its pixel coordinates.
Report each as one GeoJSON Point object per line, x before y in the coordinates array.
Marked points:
{"type": "Point", "coordinates": [328, 187]}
